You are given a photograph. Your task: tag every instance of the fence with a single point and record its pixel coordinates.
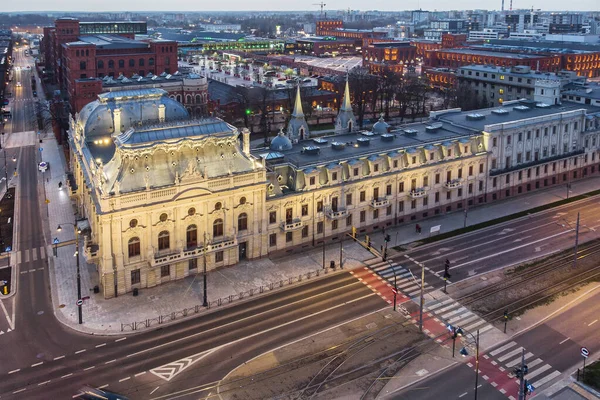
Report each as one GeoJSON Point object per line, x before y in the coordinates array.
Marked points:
{"type": "Point", "coordinates": [166, 318]}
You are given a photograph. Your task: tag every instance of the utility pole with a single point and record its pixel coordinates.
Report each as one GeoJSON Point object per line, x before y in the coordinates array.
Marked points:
{"type": "Point", "coordinates": [79, 308]}
{"type": "Point", "coordinates": [465, 221]}
{"type": "Point", "coordinates": [576, 242]}
{"type": "Point", "coordinates": [323, 244]}
{"type": "Point", "coordinates": [477, 363]}
{"type": "Point", "coordinates": [521, 375]}
{"type": "Point", "coordinates": [505, 319]}
{"type": "Point", "coordinates": [341, 250]}
{"type": "Point", "coordinates": [422, 297]}
{"type": "Point", "coordinates": [205, 302]}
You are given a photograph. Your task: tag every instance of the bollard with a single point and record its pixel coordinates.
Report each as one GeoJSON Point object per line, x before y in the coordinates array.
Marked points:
{"type": "Point", "coordinates": [197, 309]}
{"type": "Point", "coordinates": [281, 283]}
{"type": "Point", "coordinates": [291, 280]}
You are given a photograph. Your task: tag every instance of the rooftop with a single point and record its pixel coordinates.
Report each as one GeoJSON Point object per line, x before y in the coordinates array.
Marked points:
{"type": "Point", "coordinates": [589, 91]}
{"type": "Point", "coordinates": [364, 144]}
{"type": "Point", "coordinates": [111, 42]}
{"type": "Point", "coordinates": [525, 109]}
{"type": "Point", "coordinates": [491, 53]}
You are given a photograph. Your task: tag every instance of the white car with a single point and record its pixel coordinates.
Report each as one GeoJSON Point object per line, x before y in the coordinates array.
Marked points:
{"type": "Point", "coordinates": [18, 84]}
{"type": "Point", "coordinates": [43, 166]}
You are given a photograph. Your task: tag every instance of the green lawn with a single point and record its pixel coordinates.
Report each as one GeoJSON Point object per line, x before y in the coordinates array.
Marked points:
{"type": "Point", "coordinates": [592, 375]}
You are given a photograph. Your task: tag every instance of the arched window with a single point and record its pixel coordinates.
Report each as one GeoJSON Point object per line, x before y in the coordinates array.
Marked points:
{"type": "Point", "coordinates": [87, 53]}
{"type": "Point", "coordinates": [82, 65]}
{"type": "Point", "coordinates": [218, 228]}
{"type": "Point", "coordinates": [151, 61]}
{"type": "Point", "coordinates": [198, 99]}
{"type": "Point", "coordinates": [142, 62]}
{"type": "Point", "coordinates": [131, 62]}
{"type": "Point", "coordinates": [243, 222]}
{"type": "Point", "coordinates": [179, 98]}
{"type": "Point", "coordinates": [191, 236]}
{"type": "Point", "coordinates": [188, 99]}
{"type": "Point", "coordinates": [100, 64]}
{"type": "Point", "coordinates": [134, 247]}
{"type": "Point", "coordinates": [111, 63]}
{"type": "Point", "coordinates": [76, 53]}
{"type": "Point", "coordinates": [163, 240]}
{"type": "Point", "coordinates": [121, 63]}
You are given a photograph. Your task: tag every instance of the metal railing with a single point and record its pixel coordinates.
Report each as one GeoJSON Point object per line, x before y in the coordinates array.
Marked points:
{"type": "Point", "coordinates": [188, 311]}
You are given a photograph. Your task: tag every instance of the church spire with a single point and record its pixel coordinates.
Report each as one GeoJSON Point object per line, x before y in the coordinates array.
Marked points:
{"type": "Point", "coordinates": [298, 112]}
{"type": "Point", "coordinates": [346, 105]}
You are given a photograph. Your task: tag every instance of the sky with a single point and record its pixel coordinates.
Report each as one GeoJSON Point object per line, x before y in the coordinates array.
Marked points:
{"type": "Point", "coordinates": [241, 5]}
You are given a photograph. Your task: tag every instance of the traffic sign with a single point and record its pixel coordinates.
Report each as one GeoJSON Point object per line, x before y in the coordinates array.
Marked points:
{"type": "Point", "coordinates": [8, 248]}
{"type": "Point", "coordinates": [585, 352]}
{"type": "Point", "coordinates": [79, 303]}
{"type": "Point", "coordinates": [56, 241]}
{"type": "Point", "coordinates": [41, 149]}
{"type": "Point", "coordinates": [530, 388]}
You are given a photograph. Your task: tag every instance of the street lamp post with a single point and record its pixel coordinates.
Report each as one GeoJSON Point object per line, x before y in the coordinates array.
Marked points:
{"type": "Point", "coordinates": [77, 231]}
{"type": "Point", "coordinates": [205, 299]}
{"type": "Point", "coordinates": [395, 283]}
{"type": "Point", "coordinates": [465, 353]}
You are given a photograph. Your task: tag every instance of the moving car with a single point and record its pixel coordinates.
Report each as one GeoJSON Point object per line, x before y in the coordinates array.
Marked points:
{"type": "Point", "coordinates": [34, 93]}
{"type": "Point", "coordinates": [18, 84]}
{"type": "Point", "coordinates": [43, 166]}
{"type": "Point", "coordinates": [90, 393]}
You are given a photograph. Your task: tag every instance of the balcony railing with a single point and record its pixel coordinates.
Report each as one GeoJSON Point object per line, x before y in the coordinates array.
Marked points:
{"type": "Point", "coordinates": [499, 171]}
{"type": "Point", "coordinates": [418, 193]}
{"type": "Point", "coordinates": [90, 251]}
{"type": "Point", "coordinates": [340, 213]}
{"type": "Point", "coordinates": [453, 184]}
{"type": "Point", "coordinates": [293, 225]}
{"type": "Point", "coordinates": [380, 202]}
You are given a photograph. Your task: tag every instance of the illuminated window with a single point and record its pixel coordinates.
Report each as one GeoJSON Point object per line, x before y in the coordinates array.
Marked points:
{"type": "Point", "coordinates": [501, 91]}
{"type": "Point", "coordinates": [501, 77]}
{"type": "Point", "coordinates": [500, 101]}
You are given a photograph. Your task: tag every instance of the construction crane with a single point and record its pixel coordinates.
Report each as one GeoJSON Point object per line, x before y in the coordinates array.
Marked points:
{"type": "Point", "coordinates": [322, 5]}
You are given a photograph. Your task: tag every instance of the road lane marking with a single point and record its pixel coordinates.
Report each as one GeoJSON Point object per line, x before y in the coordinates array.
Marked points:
{"type": "Point", "coordinates": [66, 376]}
{"type": "Point", "coordinates": [43, 383]}
{"type": "Point", "coordinates": [155, 389]}
{"type": "Point", "coordinates": [565, 340]}
{"type": "Point", "coordinates": [257, 333]}
{"type": "Point", "coordinates": [58, 358]}
{"type": "Point", "coordinates": [111, 361]}
{"type": "Point", "coordinates": [80, 351]}
{"type": "Point", "coordinates": [19, 391]}
{"type": "Point", "coordinates": [508, 250]}
{"type": "Point", "coordinates": [101, 345]}
{"type": "Point", "coordinates": [88, 368]}
{"type": "Point", "coordinates": [35, 365]}
{"type": "Point", "coordinates": [103, 386]}
{"type": "Point", "coordinates": [592, 323]}
{"type": "Point", "coordinates": [462, 395]}
{"type": "Point", "coordinates": [139, 374]}
{"type": "Point", "coordinates": [118, 340]}
{"type": "Point", "coordinates": [125, 379]}
{"type": "Point", "coordinates": [14, 370]}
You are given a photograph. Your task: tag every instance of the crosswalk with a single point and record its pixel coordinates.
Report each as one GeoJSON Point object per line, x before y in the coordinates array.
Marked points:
{"type": "Point", "coordinates": [509, 357]}
{"type": "Point", "coordinates": [28, 255]}
{"type": "Point", "coordinates": [406, 282]}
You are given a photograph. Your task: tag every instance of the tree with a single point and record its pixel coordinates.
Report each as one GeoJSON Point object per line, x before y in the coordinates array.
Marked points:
{"type": "Point", "coordinates": [387, 85]}
{"type": "Point", "coordinates": [363, 86]}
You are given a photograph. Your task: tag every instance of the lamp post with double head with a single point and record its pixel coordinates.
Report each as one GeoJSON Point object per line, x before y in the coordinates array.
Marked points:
{"type": "Point", "coordinates": [465, 353]}
{"type": "Point", "coordinates": [79, 301]}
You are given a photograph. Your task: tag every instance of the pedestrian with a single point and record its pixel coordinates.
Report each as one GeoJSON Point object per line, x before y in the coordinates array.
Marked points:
{"type": "Point", "coordinates": [418, 229]}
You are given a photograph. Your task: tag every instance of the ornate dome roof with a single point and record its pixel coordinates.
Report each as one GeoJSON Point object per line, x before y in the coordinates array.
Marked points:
{"type": "Point", "coordinates": [281, 142]}
{"type": "Point", "coordinates": [380, 126]}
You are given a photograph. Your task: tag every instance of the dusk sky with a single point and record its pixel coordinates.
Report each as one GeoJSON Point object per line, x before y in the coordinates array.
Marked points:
{"type": "Point", "coordinates": [237, 5]}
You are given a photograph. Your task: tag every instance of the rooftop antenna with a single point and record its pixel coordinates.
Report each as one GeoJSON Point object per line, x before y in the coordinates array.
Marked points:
{"type": "Point", "coordinates": [510, 5]}
{"type": "Point", "coordinates": [502, 5]}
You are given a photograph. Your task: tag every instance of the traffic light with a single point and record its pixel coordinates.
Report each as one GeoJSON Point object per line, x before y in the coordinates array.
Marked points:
{"type": "Point", "coordinates": [354, 232]}
{"type": "Point", "coordinates": [518, 373]}
{"type": "Point", "coordinates": [248, 111]}
{"type": "Point", "coordinates": [447, 270]}
{"type": "Point", "coordinates": [525, 370]}
{"type": "Point", "coordinates": [505, 315]}
{"type": "Point", "coordinates": [387, 238]}
{"type": "Point", "coordinates": [368, 241]}
{"type": "Point", "coordinates": [526, 387]}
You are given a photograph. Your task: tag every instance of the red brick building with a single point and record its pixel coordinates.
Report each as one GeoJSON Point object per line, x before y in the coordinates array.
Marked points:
{"type": "Point", "coordinates": [454, 58]}
{"type": "Point", "coordinates": [335, 28]}
{"type": "Point", "coordinates": [74, 50]}
{"type": "Point", "coordinates": [388, 57]}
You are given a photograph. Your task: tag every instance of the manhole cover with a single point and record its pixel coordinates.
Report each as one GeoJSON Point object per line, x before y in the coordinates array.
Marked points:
{"type": "Point", "coordinates": [61, 306]}
{"type": "Point", "coordinates": [421, 372]}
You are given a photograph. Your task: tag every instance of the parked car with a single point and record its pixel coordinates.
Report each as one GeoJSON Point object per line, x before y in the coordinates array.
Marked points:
{"type": "Point", "coordinates": [43, 166]}
{"type": "Point", "coordinates": [34, 93]}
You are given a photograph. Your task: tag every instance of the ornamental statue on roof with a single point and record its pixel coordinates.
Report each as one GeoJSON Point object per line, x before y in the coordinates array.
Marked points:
{"type": "Point", "coordinates": [345, 121]}
{"type": "Point", "coordinates": [297, 128]}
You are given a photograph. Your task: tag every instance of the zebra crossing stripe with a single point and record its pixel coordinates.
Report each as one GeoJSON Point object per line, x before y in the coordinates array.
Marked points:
{"type": "Point", "coordinates": [517, 360]}
{"type": "Point", "coordinates": [510, 354]}
{"type": "Point", "coordinates": [546, 379]}
{"type": "Point", "coordinates": [532, 374]}
{"type": "Point", "coordinates": [501, 349]}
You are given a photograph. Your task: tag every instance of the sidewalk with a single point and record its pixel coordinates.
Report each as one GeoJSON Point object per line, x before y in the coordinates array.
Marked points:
{"type": "Point", "coordinates": [102, 316]}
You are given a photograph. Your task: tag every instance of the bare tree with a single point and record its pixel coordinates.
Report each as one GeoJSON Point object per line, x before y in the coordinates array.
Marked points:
{"type": "Point", "coordinates": [363, 86]}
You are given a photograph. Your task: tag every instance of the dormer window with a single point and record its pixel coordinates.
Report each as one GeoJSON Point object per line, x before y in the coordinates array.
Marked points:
{"type": "Point", "coordinates": [334, 176]}
{"type": "Point", "coordinates": [431, 156]}
{"type": "Point", "coordinates": [449, 152]}
{"type": "Point", "coordinates": [312, 180]}
{"type": "Point", "coordinates": [466, 149]}
{"type": "Point", "coordinates": [376, 167]}
{"type": "Point", "coordinates": [414, 160]}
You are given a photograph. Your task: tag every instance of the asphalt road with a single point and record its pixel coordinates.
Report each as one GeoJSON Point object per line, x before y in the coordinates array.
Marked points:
{"type": "Point", "coordinates": [511, 243]}
{"type": "Point", "coordinates": [557, 341]}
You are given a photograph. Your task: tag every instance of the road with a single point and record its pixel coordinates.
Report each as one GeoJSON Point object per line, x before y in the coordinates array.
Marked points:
{"type": "Point", "coordinates": [557, 342]}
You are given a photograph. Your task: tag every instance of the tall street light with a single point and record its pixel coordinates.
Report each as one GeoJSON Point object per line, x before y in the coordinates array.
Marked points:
{"type": "Point", "coordinates": [205, 300]}
{"type": "Point", "coordinates": [395, 283]}
{"type": "Point", "coordinates": [79, 301]}
{"type": "Point", "coordinates": [465, 353]}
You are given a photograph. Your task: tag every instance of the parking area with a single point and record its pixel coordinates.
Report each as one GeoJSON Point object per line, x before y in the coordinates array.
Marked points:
{"type": "Point", "coordinates": [342, 63]}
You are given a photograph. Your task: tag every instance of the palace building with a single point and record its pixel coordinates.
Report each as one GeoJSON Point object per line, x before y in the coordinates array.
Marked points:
{"type": "Point", "coordinates": [165, 193]}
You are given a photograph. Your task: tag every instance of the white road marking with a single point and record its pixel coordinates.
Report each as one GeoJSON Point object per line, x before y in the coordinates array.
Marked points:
{"type": "Point", "coordinates": [11, 322]}
{"type": "Point", "coordinates": [256, 333]}
{"type": "Point", "coordinates": [66, 376]}
{"type": "Point", "coordinates": [14, 370]}
{"type": "Point", "coordinates": [58, 358]}
{"type": "Point", "coordinates": [111, 361]}
{"type": "Point", "coordinates": [103, 386]}
{"type": "Point", "coordinates": [118, 340]}
{"type": "Point", "coordinates": [43, 383]}
{"type": "Point", "coordinates": [592, 323]}
{"type": "Point", "coordinates": [19, 391]}
{"type": "Point", "coordinates": [565, 340]}
{"type": "Point", "coordinates": [80, 351]}
{"type": "Point", "coordinates": [141, 373]}
{"type": "Point", "coordinates": [125, 379]}
{"type": "Point", "coordinates": [88, 368]}
{"type": "Point", "coordinates": [462, 395]}
{"type": "Point", "coordinates": [101, 345]}
{"type": "Point", "coordinates": [155, 389]}
{"type": "Point", "coordinates": [35, 365]}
